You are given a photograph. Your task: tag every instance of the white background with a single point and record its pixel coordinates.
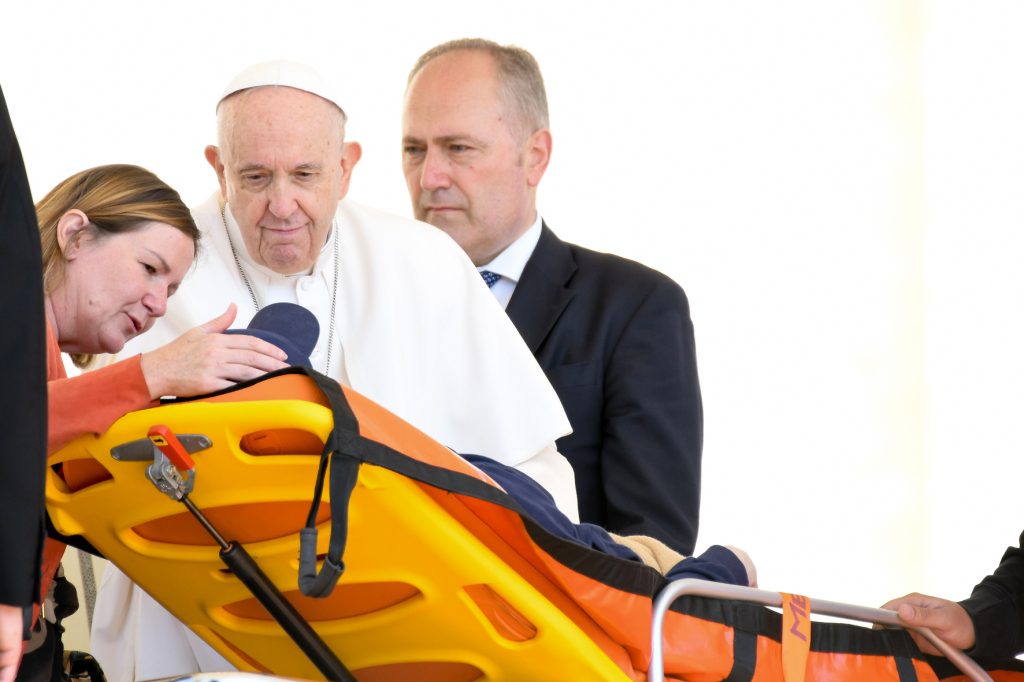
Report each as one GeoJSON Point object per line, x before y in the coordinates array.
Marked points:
{"type": "Point", "coordinates": [838, 186]}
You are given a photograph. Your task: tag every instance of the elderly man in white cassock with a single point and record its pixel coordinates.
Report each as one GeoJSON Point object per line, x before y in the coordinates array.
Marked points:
{"type": "Point", "coordinates": [406, 319]}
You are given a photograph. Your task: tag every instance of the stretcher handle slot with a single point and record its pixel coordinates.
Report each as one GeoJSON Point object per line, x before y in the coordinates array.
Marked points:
{"type": "Point", "coordinates": [706, 588]}
{"type": "Point", "coordinates": [169, 456]}
{"type": "Point", "coordinates": [242, 565]}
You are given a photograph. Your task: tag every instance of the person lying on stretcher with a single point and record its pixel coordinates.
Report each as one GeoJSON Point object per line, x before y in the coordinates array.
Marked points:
{"type": "Point", "coordinates": [720, 563]}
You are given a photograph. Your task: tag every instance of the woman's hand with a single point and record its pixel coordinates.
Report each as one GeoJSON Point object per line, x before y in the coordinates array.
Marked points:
{"type": "Point", "coordinates": [203, 360]}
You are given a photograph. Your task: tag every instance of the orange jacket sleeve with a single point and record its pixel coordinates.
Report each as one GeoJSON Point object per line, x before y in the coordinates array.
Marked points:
{"type": "Point", "coordinates": [91, 402]}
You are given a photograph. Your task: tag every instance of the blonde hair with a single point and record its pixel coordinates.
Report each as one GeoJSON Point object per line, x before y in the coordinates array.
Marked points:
{"type": "Point", "coordinates": [116, 198]}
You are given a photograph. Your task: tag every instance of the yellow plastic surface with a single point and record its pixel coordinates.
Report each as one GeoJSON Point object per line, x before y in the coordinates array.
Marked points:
{"type": "Point", "coordinates": [419, 589]}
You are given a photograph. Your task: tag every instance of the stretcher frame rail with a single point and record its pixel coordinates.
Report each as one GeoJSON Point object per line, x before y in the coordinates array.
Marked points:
{"type": "Point", "coordinates": [705, 588]}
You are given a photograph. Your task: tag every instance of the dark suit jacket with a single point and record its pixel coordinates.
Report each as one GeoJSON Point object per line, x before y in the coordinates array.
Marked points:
{"type": "Point", "coordinates": [997, 608]}
{"type": "Point", "coordinates": [23, 366]}
{"type": "Point", "coordinates": [615, 339]}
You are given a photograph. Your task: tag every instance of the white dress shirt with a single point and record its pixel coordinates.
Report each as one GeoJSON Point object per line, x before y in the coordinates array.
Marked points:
{"type": "Point", "coordinates": [510, 263]}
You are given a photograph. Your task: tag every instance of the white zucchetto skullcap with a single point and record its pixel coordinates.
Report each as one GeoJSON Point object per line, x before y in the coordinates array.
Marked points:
{"type": "Point", "coordinates": [282, 73]}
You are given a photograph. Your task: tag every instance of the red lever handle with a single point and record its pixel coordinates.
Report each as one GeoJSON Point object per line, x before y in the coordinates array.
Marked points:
{"type": "Point", "coordinates": [168, 443]}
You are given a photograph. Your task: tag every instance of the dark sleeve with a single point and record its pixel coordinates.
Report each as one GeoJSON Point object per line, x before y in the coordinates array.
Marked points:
{"type": "Point", "coordinates": [538, 503]}
{"type": "Point", "coordinates": [23, 398]}
{"type": "Point", "coordinates": [653, 423]}
{"type": "Point", "coordinates": [718, 564]}
{"type": "Point", "coordinates": [997, 607]}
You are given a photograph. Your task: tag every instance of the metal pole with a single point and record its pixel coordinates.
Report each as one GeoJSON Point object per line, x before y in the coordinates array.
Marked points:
{"type": "Point", "coordinates": [88, 584]}
{"type": "Point", "coordinates": [291, 621]}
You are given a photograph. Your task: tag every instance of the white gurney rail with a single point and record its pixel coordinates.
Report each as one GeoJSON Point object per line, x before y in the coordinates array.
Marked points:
{"type": "Point", "coordinates": [706, 588]}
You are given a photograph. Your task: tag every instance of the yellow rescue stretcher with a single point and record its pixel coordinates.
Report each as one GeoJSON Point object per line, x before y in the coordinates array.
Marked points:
{"type": "Point", "coordinates": [421, 598]}
{"type": "Point", "coordinates": [205, 503]}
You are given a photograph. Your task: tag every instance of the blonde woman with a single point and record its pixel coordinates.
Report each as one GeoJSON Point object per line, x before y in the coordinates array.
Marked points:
{"type": "Point", "coordinates": [116, 243]}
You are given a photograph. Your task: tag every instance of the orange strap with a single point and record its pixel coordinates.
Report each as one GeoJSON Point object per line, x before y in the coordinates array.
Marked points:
{"type": "Point", "coordinates": [796, 636]}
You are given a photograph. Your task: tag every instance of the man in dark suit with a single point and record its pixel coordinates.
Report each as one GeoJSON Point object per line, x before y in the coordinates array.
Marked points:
{"type": "Point", "coordinates": [613, 336]}
{"type": "Point", "coordinates": [22, 401]}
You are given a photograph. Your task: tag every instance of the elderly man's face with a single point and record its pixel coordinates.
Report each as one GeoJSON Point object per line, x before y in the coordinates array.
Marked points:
{"type": "Point", "coordinates": [283, 168]}
{"type": "Point", "coordinates": [468, 170]}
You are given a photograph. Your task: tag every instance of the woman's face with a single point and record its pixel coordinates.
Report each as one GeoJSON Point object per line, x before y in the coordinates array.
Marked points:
{"type": "Point", "coordinates": [114, 287]}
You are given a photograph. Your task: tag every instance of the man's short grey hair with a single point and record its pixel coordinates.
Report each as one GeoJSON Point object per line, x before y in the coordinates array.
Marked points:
{"type": "Point", "coordinates": [520, 81]}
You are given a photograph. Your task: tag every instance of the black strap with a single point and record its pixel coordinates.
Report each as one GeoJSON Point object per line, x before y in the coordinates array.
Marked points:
{"type": "Point", "coordinates": [905, 669]}
{"type": "Point", "coordinates": [744, 656]}
{"type": "Point", "coordinates": [340, 453]}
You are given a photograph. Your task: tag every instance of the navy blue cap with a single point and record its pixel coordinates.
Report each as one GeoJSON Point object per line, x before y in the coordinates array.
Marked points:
{"type": "Point", "coordinates": [288, 326]}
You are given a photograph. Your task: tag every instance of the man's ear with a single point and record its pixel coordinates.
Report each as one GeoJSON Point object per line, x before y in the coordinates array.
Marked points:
{"type": "Point", "coordinates": [537, 156]}
{"type": "Point", "coordinates": [70, 228]}
{"type": "Point", "coordinates": [212, 154]}
{"type": "Point", "coordinates": [351, 152]}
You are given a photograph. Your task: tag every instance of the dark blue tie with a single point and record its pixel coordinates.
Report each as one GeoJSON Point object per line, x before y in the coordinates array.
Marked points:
{"type": "Point", "coordinates": [489, 277]}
